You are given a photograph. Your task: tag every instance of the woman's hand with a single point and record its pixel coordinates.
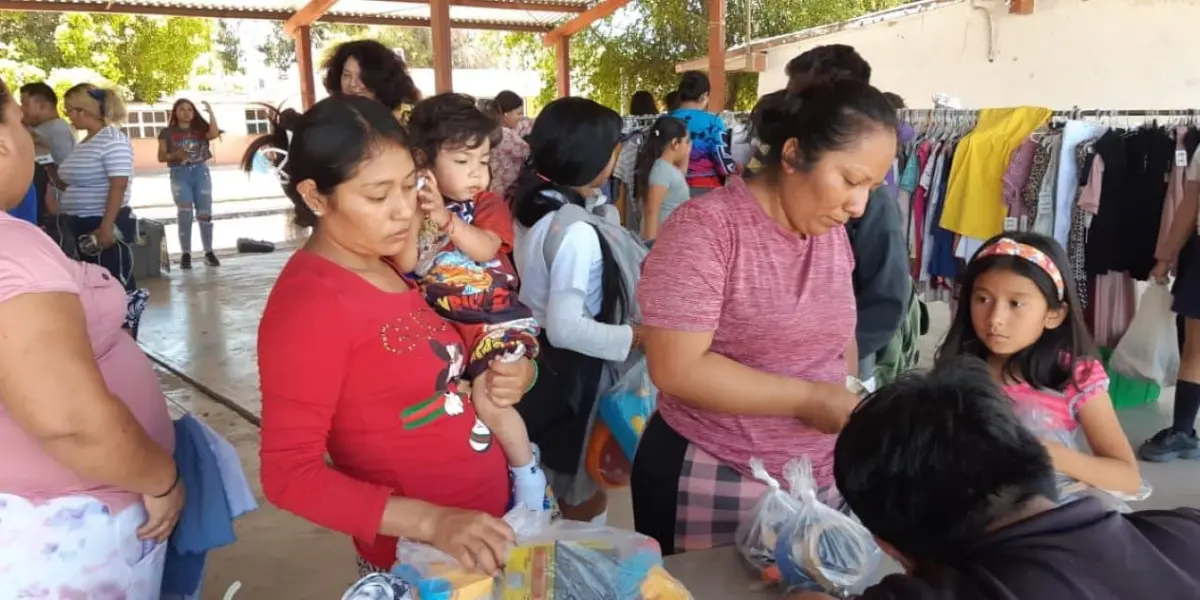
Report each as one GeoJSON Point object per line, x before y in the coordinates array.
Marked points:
{"type": "Point", "coordinates": [162, 514]}
{"type": "Point", "coordinates": [432, 202]}
{"type": "Point", "coordinates": [829, 407]}
{"type": "Point", "coordinates": [1160, 271]}
{"type": "Point", "coordinates": [207, 107]}
{"type": "Point", "coordinates": [105, 236]}
{"type": "Point", "coordinates": [476, 540]}
{"type": "Point", "coordinates": [506, 382]}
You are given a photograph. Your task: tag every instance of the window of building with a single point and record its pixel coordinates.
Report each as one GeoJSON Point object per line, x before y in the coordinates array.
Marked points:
{"type": "Point", "coordinates": [146, 124]}
{"type": "Point", "coordinates": [257, 121]}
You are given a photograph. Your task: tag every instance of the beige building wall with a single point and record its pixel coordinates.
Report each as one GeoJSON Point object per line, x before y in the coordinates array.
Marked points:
{"type": "Point", "coordinates": [1118, 54]}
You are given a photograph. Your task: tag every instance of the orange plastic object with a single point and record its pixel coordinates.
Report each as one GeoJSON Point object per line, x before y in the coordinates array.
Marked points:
{"type": "Point", "coordinates": [605, 461]}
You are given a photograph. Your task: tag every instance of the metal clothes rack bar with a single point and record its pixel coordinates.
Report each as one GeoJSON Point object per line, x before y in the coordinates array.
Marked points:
{"type": "Point", "coordinates": [1074, 113]}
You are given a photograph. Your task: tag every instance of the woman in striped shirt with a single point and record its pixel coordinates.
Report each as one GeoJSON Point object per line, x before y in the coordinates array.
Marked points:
{"type": "Point", "coordinates": [97, 175]}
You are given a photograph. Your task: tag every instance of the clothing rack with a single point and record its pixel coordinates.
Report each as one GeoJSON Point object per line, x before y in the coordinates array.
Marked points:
{"type": "Point", "coordinates": [909, 114]}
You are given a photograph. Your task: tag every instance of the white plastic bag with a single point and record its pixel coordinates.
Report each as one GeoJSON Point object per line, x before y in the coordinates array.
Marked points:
{"type": "Point", "coordinates": [758, 536]}
{"type": "Point", "coordinates": [820, 548]}
{"type": "Point", "coordinates": [1044, 427]}
{"type": "Point", "coordinates": [566, 560]}
{"type": "Point", "coordinates": [1150, 348]}
{"type": "Point", "coordinates": [794, 539]}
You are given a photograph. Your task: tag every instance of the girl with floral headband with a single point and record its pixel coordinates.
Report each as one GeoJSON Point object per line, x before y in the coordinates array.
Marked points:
{"type": "Point", "coordinates": [1020, 314]}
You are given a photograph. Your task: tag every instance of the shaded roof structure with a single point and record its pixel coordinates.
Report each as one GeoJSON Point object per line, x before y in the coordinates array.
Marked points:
{"type": "Point", "coordinates": [538, 16]}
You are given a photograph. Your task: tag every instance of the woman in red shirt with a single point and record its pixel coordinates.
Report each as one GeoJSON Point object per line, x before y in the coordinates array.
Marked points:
{"type": "Point", "coordinates": [354, 364]}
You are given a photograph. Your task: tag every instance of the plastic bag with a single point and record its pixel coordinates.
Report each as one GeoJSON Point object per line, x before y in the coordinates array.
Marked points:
{"type": "Point", "coordinates": [795, 539]}
{"type": "Point", "coordinates": [820, 548]}
{"type": "Point", "coordinates": [627, 406]}
{"type": "Point", "coordinates": [567, 560]}
{"type": "Point", "coordinates": [757, 537]}
{"type": "Point", "coordinates": [1043, 425]}
{"type": "Point", "coordinates": [1150, 348]}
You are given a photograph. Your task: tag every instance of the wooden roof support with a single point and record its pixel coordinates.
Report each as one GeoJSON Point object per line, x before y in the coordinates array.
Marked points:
{"type": "Point", "coordinates": [307, 15]}
{"type": "Point", "coordinates": [583, 21]}
{"type": "Point", "coordinates": [716, 55]}
{"type": "Point", "coordinates": [439, 12]}
{"type": "Point", "coordinates": [1021, 7]}
{"type": "Point", "coordinates": [260, 15]}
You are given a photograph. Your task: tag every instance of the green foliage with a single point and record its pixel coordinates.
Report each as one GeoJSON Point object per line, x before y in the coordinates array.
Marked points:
{"type": "Point", "coordinates": [150, 56]}
{"type": "Point", "coordinates": [638, 47]}
{"type": "Point", "coordinates": [228, 47]}
{"type": "Point", "coordinates": [29, 38]}
{"type": "Point", "coordinates": [17, 73]}
{"type": "Point", "coordinates": [470, 49]}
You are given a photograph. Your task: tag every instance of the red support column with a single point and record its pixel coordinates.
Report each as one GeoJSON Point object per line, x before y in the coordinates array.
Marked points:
{"type": "Point", "coordinates": [716, 55]}
{"type": "Point", "coordinates": [562, 60]}
{"type": "Point", "coordinates": [439, 25]}
{"type": "Point", "coordinates": [304, 64]}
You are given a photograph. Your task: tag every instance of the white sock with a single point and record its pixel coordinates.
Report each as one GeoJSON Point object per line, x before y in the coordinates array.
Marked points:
{"type": "Point", "coordinates": [529, 485]}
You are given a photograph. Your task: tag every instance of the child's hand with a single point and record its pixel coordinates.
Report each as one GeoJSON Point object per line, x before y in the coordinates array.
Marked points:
{"type": "Point", "coordinates": [432, 203]}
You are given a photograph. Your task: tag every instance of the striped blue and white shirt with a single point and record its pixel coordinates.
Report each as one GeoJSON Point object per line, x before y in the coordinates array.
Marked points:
{"type": "Point", "coordinates": [87, 169]}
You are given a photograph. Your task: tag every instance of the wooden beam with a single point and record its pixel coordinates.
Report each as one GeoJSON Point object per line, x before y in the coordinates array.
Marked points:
{"type": "Point", "coordinates": [1021, 7]}
{"type": "Point", "coordinates": [735, 62]}
{"type": "Point", "coordinates": [258, 15]}
{"type": "Point", "coordinates": [307, 15]}
{"type": "Point", "coordinates": [439, 17]}
{"type": "Point", "coordinates": [304, 65]}
{"type": "Point", "coordinates": [549, 6]}
{"type": "Point", "coordinates": [562, 64]}
{"type": "Point", "coordinates": [583, 21]}
{"type": "Point", "coordinates": [716, 55]}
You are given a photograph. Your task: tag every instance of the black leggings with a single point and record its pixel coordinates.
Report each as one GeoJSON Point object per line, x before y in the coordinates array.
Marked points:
{"type": "Point", "coordinates": [654, 482]}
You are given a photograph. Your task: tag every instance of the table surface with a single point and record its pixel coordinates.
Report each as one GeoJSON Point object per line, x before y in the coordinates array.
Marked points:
{"type": "Point", "coordinates": [717, 574]}
{"type": "Point", "coordinates": [720, 574]}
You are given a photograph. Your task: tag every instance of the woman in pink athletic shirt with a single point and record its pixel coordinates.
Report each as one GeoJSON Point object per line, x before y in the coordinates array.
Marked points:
{"type": "Point", "coordinates": [749, 316]}
{"type": "Point", "coordinates": [88, 490]}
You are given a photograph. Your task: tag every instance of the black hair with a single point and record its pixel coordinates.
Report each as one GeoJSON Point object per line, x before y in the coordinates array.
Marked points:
{"type": "Point", "coordinates": [827, 63]}
{"type": "Point", "coordinates": [383, 72]}
{"type": "Point", "coordinates": [642, 104]}
{"type": "Point", "coordinates": [928, 463]}
{"type": "Point", "coordinates": [896, 100]}
{"type": "Point", "coordinates": [821, 118]}
{"type": "Point", "coordinates": [450, 120]}
{"type": "Point", "coordinates": [1050, 363]}
{"type": "Point", "coordinates": [199, 124]}
{"type": "Point", "coordinates": [693, 86]}
{"type": "Point", "coordinates": [572, 142]}
{"type": "Point", "coordinates": [671, 100]}
{"type": "Point", "coordinates": [506, 101]}
{"type": "Point", "coordinates": [656, 141]}
{"type": "Point", "coordinates": [40, 89]}
{"type": "Point", "coordinates": [327, 144]}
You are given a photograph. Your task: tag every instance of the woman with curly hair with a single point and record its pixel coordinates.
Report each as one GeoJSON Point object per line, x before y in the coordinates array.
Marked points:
{"type": "Point", "coordinates": [369, 69]}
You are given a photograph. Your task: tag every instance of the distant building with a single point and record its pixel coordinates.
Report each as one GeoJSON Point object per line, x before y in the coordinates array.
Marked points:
{"type": "Point", "coordinates": [243, 116]}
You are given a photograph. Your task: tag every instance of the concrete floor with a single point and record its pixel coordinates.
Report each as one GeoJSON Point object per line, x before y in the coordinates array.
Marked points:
{"type": "Point", "coordinates": [203, 325]}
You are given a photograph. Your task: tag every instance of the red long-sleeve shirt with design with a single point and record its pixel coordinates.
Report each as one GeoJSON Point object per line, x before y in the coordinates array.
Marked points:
{"type": "Point", "coordinates": [368, 377]}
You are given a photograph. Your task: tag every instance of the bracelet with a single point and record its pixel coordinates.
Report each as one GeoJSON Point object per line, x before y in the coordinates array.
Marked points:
{"type": "Point", "coordinates": [535, 378]}
{"type": "Point", "coordinates": [174, 484]}
{"type": "Point", "coordinates": [448, 228]}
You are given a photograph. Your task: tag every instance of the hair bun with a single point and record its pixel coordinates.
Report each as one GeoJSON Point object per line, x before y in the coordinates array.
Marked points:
{"type": "Point", "coordinates": [288, 119]}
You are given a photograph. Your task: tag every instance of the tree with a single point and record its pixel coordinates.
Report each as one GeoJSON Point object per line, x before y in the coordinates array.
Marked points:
{"type": "Point", "coordinates": [29, 38]}
{"type": "Point", "coordinates": [228, 47]}
{"type": "Point", "coordinates": [470, 49]}
{"type": "Point", "coordinates": [637, 48]}
{"type": "Point", "coordinates": [150, 56]}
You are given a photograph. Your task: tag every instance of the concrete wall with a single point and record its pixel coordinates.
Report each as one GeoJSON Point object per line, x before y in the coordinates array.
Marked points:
{"type": "Point", "coordinates": [1114, 54]}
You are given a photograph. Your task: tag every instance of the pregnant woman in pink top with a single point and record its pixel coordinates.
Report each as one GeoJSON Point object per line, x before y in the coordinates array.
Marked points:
{"type": "Point", "coordinates": [88, 490]}
{"type": "Point", "coordinates": [748, 309]}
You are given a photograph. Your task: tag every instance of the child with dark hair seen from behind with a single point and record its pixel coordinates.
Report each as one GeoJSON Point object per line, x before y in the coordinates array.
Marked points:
{"type": "Point", "coordinates": [464, 267]}
{"type": "Point", "coordinates": [1020, 313]}
{"type": "Point", "coordinates": [962, 495]}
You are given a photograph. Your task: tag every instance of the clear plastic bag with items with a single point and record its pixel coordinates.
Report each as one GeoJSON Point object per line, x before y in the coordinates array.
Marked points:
{"type": "Point", "coordinates": [1046, 428]}
{"type": "Point", "coordinates": [627, 406]}
{"type": "Point", "coordinates": [794, 539]}
{"type": "Point", "coordinates": [1150, 347]}
{"type": "Point", "coordinates": [567, 560]}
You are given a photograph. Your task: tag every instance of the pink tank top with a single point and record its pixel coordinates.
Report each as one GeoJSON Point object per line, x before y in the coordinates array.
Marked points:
{"type": "Point", "coordinates": [30, 263]}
